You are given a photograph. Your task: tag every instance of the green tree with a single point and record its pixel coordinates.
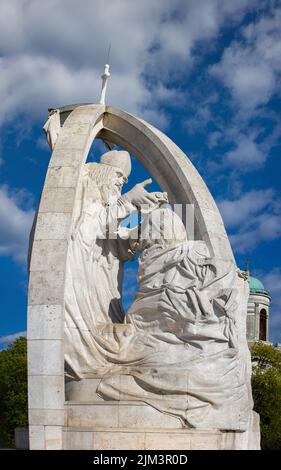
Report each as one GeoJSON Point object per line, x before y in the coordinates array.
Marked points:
{"type": "Point", "coordinates": [266, 385]}
{"type": "Point", "coordinates": [13, 390]}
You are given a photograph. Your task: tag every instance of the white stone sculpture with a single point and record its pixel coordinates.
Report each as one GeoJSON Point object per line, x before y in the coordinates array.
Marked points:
{"type": "Point", "coordinates": [179, 341]}
{"type": "Point", "coordinates": [174, 373]}
{"type": "Point", "coordinates": [96, 254]}
{"type": "Point", "coordinates": [52, 127]}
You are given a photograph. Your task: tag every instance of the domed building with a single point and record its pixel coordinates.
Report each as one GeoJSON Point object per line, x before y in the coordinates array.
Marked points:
{"type": "Point", "coordinates": [258, 311]}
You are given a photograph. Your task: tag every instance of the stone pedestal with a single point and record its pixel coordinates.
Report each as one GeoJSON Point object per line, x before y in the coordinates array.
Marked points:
{"type": "Point", "coordinates": [92, 423]}
{"type": "Point", "coordinates": [135, 425]}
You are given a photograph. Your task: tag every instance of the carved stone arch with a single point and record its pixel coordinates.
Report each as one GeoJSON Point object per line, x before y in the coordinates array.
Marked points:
{"type": "Point", "coordinates": [174, 172]}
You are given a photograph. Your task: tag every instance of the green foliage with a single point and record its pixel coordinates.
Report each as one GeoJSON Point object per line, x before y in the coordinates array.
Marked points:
{"type": "Point", "coordinates": [13, 390]}
{"type": "Point", "coordinates": [266, 385]}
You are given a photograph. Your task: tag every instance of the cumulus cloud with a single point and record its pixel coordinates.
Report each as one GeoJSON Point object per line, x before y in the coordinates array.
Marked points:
{"type": "Point", "coordinates": [265, 227]}
{"type": "Point", "coordinates": [250, 70]}
{"type": "Point", "coordinates": [239, 210]}
{"type": "Point", "coordinates": [214, 139]}
{"type": "Point", "coordinates": [247, 154]}
{"type": "Point", "coordinates": [250, 67]}
{"type": "Point", "coordinates": [6, 340]}
{"type": "Point", "coordinates": [16, 219]}
{"type": "Point", "coordinates": [256, 217]}
{"type": "Point", "coordinates": [31, 84]}
{"type": "Point", "coordinates": [183, 26]}
{"type": "Point", "coordinates": [52, 53]}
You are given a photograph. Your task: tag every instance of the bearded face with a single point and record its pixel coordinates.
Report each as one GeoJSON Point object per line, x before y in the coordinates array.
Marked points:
{"type": "Point", "coordinates": [106, 182]}
{"type": "Point", "coordinates": [112, 191]}
{"type": "Point", "coordinates": [118, 183]}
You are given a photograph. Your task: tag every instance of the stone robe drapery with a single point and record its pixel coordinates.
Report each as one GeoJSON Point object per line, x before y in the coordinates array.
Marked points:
{"type": "Point", "coordinates": [94, 272]}
{"type": "Point", "coordinates": [181, 351]}
{"type": "Point", "coordinates": [178, 348]}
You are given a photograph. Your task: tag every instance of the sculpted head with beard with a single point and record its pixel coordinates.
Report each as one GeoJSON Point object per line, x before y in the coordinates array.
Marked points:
{"type": "Point", "coordinates": [106, 179]}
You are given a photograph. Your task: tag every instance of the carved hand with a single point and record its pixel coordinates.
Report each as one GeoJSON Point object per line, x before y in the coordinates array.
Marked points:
{"type": "Point", "coordinates": [138, 196]}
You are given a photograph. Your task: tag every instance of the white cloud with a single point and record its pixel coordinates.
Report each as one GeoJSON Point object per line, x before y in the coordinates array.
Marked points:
{"type": "Point", "coordinates": [31, 84]}
{"type": "Point", "coordinates": [255, 216]}
{"type": "Point", "coordinates": [15, 223]}
{"type": "Point", "coordinates": [199, 119]}
{"type": "Point", "coordinates": [265, 227]}
{"type": "Point", "coordinates": [42, 143]}
{"type": "Point", "coordinates": [247, 154]}
{"type": "Point", "coordinates": [237, 211]}
{"type": "Point", "coordinates": [185, 25]}
{"type": "Point", "coordinates": [52, 52]}
{"type": "Point", "coordinates": [272, 282]}
{"type": "Point", "coordinates": [6, 340]}
{"type": "Point", "coordinates": [250, 67]}
{"type": "Point", "coordinates": [214, 139]}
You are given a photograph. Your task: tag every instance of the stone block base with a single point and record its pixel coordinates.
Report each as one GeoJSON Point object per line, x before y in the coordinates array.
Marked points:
{"type": "Point", "coordinates": [134, 425]}
{"type": "Point", "coordinates": [128, 439]}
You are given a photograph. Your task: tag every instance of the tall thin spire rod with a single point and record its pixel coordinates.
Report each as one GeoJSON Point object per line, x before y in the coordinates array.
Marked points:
{"type": "Point", "coordinates": [105, 76]}
{"type": "Point", "coordinates": [108, 53]}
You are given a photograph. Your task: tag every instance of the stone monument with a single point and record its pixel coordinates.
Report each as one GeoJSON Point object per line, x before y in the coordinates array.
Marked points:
{"type": "Point", "coordinates": [174, 371]}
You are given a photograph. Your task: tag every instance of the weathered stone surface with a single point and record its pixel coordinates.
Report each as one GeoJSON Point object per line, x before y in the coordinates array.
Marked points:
{"type": "Point", "coordinates": [130, 439]}
{"type": "Point", "coordinates": [61, 177]}
{"type": "Point", "coordinates": [107, 440]}
{"type": "Point", "coordinates": [45, 357]}
{"type": "Point", "coordinates": [45, 392]}
{"type": "Point", "coordinates": [57, 200]}
{"type": "Point", "coordinates": [81, 127]}
{"type": "Point", "coordinates": [71, 141]}
{"type": "Point", "coordinates": [123, 414]}
{"type": "Point", "coordinates": [78, 440]}
{"type": "Point", "coordinates": [52, 226]}
{"type": "Point", "coordinates": [36, 437]}
{"type": "Point", "coordinates": [45, 322]}
{"type": "Point", "coordinates": [83, 415]}
{"type": "Point", "coordinates": [205, 441]}
{"type": "Point", "coordinates": [47, 417]}
{"type": "Point", "coordinates": [65, 158]}
{"type": "Point", "coordinates": [48, 255]}
{"type": "Point", "coordinates": [167, 441]}
{"type": "Point", "coordinates": [46, 287]}
{"type": "Point", "coordinates": [53, 437]}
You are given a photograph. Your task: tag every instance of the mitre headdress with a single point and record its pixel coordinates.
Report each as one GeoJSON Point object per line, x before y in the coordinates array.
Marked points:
{"type": "Point", "coordinates": [118, 158]}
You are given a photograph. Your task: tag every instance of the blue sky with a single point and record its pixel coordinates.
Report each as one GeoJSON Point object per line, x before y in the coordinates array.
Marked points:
{"type": "Point", "coordinates": [206, 72]}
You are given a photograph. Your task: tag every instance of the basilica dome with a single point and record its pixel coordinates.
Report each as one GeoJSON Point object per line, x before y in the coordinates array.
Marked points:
{"type": "Point", "coordinates": [256, 286]}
